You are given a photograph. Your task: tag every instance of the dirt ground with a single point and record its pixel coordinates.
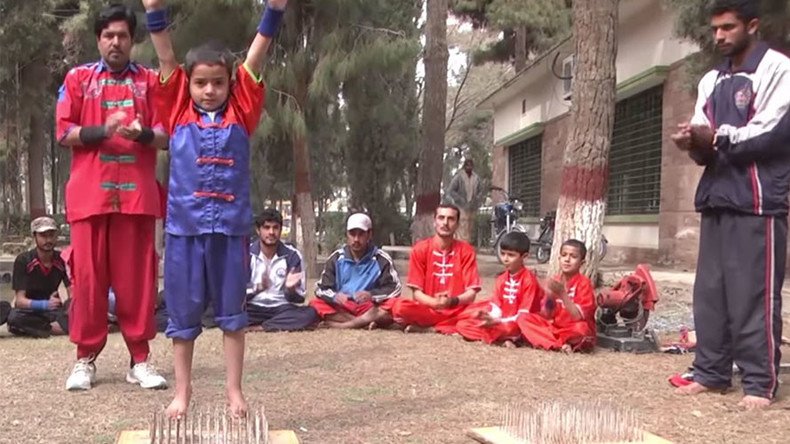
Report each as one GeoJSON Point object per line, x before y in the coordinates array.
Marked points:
{"type": "Point", "coordinates": [375, 387]}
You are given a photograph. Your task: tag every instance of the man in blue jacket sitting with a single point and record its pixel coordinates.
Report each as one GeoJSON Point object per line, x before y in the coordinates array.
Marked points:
{"type": "Point", "coordinates": [359, 282]}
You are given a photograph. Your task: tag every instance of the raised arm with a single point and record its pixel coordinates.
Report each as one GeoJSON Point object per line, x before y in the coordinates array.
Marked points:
{"type": "Point", "coordinates": [267, 29]}
{"type": "Point", "coordinates": [157, 21]}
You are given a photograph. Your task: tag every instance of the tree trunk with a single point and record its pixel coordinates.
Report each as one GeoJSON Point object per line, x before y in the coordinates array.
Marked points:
{"type": "Point", "coordinates": [521, 48]}
{"type": "Point", "coordinates": [163, 176]}
{"type": "Point", "coordinates": [304, 204]}
{"type": "Point", "coordinates": [429, 169]}
{"type": "Point", "coordinates": [35, 77]}
{"type": "Point", "coordinates": [585, 172]}
{"type": "Point", "coordinates": [35, 165]}
{"type": "Point", "coordinates": [53, 166]}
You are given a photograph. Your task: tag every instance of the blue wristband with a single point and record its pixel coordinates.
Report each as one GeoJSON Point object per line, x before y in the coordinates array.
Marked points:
{"type": "Point", "coordinates": [156, 20]}
{"type": "Point", "coordinates": [39, 305]}
{"type": "Point", "coordinates": [270, 22]}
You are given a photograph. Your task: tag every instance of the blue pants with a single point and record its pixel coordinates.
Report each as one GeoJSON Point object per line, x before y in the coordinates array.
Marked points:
{"type": "Point", "coordinates": [210, 268]}
{"type": "Point", "coordinates": [286, 317]}
{"type": "Point", "coordinates": [738, 300]}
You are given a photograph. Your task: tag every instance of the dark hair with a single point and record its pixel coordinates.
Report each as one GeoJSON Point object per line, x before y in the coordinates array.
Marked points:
{"type": "Point", "coordinates": [115, 13]}
{"type": "Point", "coordinates": [210, 53]}
{"type": "Point", "coordinates": [746, 10]}
{"type": "Point", "coordinates": [469, 162]}
{"type": "Point", "coordinates": [450, 206]}
{"type": "Point", "coordinates": [269, 215]}
{"type": "Point", "coordinates": [515, 241]}
{"type": "Point", "coordinates": [577, 244]}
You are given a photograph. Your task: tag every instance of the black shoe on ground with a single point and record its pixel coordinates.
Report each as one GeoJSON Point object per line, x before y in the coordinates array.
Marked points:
{"type": "Point", "coordinates": [5, 309]}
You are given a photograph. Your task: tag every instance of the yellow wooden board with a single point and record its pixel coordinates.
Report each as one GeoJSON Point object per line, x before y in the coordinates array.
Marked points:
{"type": "Point", "coordinates": [495, 435]}
{"type": "Point", "coordinates": [143, 437]}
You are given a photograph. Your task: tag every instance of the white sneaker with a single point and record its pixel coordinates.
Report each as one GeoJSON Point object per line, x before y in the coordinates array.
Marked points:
{"type": "Point", "coordinates": [82, 376]}
{"type": "Point", "coordinates": [146, 376]}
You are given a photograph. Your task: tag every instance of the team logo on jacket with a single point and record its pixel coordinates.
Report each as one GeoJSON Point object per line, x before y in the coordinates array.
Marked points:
{"type": "Point", "coordinates": [280, 272]}
{"type": "Point", "coordinates": [743, 97]}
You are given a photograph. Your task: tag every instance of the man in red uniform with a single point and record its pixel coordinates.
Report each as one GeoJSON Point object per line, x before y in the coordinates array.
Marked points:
{"type": "Point", "coordinates": [443, 278]}
{"type": "Point", "coordinates": [104, 114]}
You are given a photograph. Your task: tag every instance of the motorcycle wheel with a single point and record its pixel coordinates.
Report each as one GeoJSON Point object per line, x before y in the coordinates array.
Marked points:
{"type": "Point", "coordinates": [543, 254]}
{"type": "Point", "coordinates": [604, 245]}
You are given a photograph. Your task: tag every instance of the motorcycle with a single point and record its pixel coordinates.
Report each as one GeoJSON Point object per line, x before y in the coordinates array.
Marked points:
{"type": "Point", "coordinates": [505, 218]}
{"type": "Point", "coordinates": [546, 238]}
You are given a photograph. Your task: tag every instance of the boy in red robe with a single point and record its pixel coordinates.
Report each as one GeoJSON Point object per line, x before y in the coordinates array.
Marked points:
{"type": "Point", "coordinates": [516, 294]}
{"type": "Point", "coordinates": [567, 321]}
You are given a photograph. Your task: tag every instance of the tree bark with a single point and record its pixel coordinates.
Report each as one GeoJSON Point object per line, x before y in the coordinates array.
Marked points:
{"type": "Point", "coordinates": [521, 48]}
{"type": "Point", "coordinates": [35, 78]}
{"type": "Point", "coordinates": [429, 168]}
{"type": "Point", "coordinates": [304, 205]}
{"type": "Point", "coordinates": [585, 173]}
{"type": "Point", "coordinates": [35, 165]}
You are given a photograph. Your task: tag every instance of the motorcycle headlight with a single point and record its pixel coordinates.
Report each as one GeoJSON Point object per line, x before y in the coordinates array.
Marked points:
{"type": "Point", "coordinates": [518, 205]}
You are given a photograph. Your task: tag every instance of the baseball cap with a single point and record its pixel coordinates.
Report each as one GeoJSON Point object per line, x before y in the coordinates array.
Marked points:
{"type": "Point", "coordinates": [359, 221]}
{"type": "Point", "coordinates": [42, 224]}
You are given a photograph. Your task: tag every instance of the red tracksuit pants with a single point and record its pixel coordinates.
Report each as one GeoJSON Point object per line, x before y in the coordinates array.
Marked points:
{"type": "Point", "coordinates": [113, 250]}
{"type": "Point", "coordinates": [543, 333]}
{"type": "Point", "coordinates": [470, 329]}
{"type": "Point", "coordinates": [410, 312]}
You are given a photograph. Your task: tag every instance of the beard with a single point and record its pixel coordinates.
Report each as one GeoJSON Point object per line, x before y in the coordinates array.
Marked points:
{"type": "Point", "coordinates": [735, 48]}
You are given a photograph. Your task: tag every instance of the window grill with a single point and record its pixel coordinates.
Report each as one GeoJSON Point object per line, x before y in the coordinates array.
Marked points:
{"type": "Point", "coordinates": [524, 160]}
{"type": "Point", "coordinates": [635, 155]}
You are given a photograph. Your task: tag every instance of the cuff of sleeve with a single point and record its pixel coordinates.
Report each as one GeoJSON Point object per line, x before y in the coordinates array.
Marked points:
{"type": "Point", "coordinates": [256, 77]}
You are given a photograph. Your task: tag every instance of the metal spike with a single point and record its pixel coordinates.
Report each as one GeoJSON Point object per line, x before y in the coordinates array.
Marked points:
{"type": "Point", "coordinates": [257, 429]}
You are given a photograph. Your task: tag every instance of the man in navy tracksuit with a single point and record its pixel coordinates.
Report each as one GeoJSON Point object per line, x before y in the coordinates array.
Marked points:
{"type": "Point", "coordinates": [359, 284]}
{"type": "Point", "coordinates": [740, 132]}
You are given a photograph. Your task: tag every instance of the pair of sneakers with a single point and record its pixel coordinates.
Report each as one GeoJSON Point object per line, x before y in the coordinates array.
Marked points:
{"type": "Point", "coordinates": [144, 374]}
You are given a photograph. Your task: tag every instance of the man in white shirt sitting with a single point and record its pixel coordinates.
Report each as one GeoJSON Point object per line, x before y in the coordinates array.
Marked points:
{"type": "Point", "coordinates": [276, 289]}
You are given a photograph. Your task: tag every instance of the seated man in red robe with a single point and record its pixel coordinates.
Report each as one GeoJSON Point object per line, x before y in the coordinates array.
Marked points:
{"type": "Point", "coordinates": [443, 277]}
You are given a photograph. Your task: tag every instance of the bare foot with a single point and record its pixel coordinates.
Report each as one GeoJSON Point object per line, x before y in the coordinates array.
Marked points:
{"type": "Point", "coordinates": [695, 388]}
{"type": "Point", "coordinates": [178, 407]}
{"type": "Point", "coordinates": [237, 405]}
{"type": "Point", "coordinates": [567, 349]}
{"type": "Point", "coordinates": [750, 402]}
{"type": "Point", "coordinates": [253, 328]}
{"type": "Point", "coordinates": [417, 329]}
{"type": "Point", "coordinates": [509, 344]}
{"type": "Point", "coordinates": [372, 326]}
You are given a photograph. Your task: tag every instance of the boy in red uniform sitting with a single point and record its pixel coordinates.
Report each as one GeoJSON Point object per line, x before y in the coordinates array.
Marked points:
{"type": "Point", "coordinates": [516, 294]}
{"type": "Point", "coordinates": [567, 321]}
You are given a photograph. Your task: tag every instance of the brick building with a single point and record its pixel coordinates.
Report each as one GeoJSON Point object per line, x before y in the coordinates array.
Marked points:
{"type": "Point", "coordinates": [650, 212]}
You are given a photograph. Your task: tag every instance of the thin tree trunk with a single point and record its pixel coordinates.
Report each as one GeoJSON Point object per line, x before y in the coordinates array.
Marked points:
{"type": "Point", "coordinates": [429, 172]}
{"type": "Point", "coordinates": [53, 166]}
{"type": "Point", "coordinates": [582, 203]}
{"type": "Point", "coordinates": [521, 48]}
{"type": "Point", "coordinates": [163, 176]}
{"type": "Point", "coordinates": [304, 204]}
{"type": "Point", "coordinates": [36, 77]}
{"type": "Point", "coordinates": [35, 165]}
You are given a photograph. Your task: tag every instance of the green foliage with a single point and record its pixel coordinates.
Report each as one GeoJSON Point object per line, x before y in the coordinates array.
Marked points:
{"type": "Point", "coordinates": [693, 23]}
{"type": "Point", "coordinates": [546, 22]}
